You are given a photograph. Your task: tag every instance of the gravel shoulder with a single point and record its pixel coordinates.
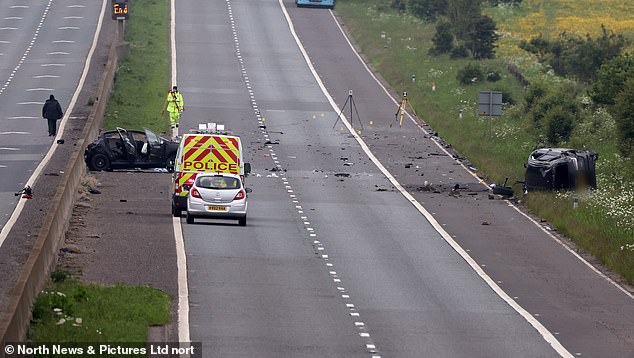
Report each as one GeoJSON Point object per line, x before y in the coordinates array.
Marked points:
{"type": "Point", "coordinates": [124, 234]}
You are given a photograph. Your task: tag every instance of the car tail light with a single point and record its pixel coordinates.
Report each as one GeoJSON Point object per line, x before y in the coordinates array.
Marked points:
{"type": "Point", "coordinates": [188, 184]}
{"type": "Point", "coordinates": [195, 193]}
{"type": "Point", "coordinates": [241, 195]}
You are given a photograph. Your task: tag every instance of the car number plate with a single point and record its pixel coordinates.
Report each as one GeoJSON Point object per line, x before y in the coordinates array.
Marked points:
{"type": "Point", "coordinates": [217, 208]}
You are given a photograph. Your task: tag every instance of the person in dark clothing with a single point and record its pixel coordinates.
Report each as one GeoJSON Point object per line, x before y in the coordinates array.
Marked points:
{"type": "Point", "coordinates": [52, 111]}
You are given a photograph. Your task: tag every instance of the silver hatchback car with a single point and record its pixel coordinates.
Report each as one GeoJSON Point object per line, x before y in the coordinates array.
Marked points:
{"type": "Point", "coordinates": [217, 196]}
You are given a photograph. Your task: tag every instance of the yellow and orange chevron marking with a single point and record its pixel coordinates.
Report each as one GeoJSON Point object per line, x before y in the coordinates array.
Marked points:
{"type": "Point", "coordinates": [211, 153]}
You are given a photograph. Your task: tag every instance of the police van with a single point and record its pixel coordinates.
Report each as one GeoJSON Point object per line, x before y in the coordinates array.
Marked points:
{"type": "Point", "coordinates": [210, 149]}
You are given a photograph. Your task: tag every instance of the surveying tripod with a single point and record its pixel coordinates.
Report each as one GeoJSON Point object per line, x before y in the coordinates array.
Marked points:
{"type": "Point", "coordinates": [350, 100]}
{"type": "Point", "coordinates": [400, 111]}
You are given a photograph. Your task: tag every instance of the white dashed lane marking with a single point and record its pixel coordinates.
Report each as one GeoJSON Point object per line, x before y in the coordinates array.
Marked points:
{"type": "Point", "coordinates": [318, 247]}
{"type": "Point", "coordinates": [26, 52]}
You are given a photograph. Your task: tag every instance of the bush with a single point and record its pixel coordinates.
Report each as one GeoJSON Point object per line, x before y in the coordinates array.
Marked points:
{"type": "Point", "coordinates": [572, 55]}
{"type": "Point", "coordinates": [507, 96]}
{"type": "Point", "coordinates": [533, 95]}
{"type": "Point", "coordinates": [505, 2]}
{"type": "Point", "coordinates": [624, 116]}
{"type": "Point", "coordinates": [398, 5]}
{"type": "Point", "coordinates": [563, 100]}
{"type": "Point", "coordinates": [59, 275]}
{"type": "Point", "coordinates": [559, 125]}
{"type": "Point", "coordinates": [470, 74]}
{"type": "Point", "coordinates": [45, 303]}
{"type": "Point", "coordinates": [493, 76]}
{"type": "Point", "coordinates": [611, 79]}
{"type": "Point", "coordinates": [459, 52]}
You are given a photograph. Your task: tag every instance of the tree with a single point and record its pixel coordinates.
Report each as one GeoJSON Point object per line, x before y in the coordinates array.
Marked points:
{"type": "Point", "coordinates": [443, 39]}
{"type": "Point", "coordinates": [481, 38]}
{"type": "Point", "coordinates": [624, 116]}
{"type": "Point", "coordinates": [428, 10]}
{"type": "Point", "coordinates": [461, 14]}
{"type": "Point", "coordinates": [611, 79]}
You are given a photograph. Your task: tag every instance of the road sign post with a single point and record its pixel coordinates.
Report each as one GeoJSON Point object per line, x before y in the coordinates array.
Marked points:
{"type": "Point", "coordinates": [490, 105]}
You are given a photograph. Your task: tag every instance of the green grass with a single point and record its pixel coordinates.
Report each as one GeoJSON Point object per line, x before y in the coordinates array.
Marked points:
{"type": "Point", "coordinates": [598, 233]}
{"type": "Point", "coordinates": [118, 313]}
{"type": "Point", "coordinates": [603, 223]}
{"type": "Point", "coordinates": [142, 79]}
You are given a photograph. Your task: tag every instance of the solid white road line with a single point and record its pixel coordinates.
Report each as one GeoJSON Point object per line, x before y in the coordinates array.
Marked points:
{"type": "Point", "coordinates": [181, 260]}
{"type": "Point", "coordinates": [173, 40]}
{"type": "Point", "coordinates": [183, 289]}
{"type": "Point", "coordinates": [546, 335]}
{"type": "Point", "coordinates": [33, 178]}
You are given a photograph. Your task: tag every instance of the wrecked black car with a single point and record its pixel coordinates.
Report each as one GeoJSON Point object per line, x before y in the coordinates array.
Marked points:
{"type": "Point", "coordinates": [126, 149]}
{"type": "Point", "coordinates": [560, 169]}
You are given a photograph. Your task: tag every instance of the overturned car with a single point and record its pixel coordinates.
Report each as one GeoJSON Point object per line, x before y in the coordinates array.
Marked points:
{"type": "Point", "coordinates": [127, 149]}
{"type": "Point", "coordinates": [560, 169]}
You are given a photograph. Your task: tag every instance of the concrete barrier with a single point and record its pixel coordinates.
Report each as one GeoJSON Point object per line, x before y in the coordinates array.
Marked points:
{"type": "Point", "coordinates": [33, 276]}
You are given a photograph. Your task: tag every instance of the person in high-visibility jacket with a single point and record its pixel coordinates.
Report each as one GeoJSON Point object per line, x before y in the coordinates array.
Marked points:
{"type": "Point", "coordinates": [175, 106]}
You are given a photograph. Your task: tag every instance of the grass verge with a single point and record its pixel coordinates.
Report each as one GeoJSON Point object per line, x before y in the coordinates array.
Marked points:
{"type": "Point", "coordinates": [142, 79]}
{"type": "Point", "coordinates": [71, 311]}
{"type": "Point", "coordinates": [396, 45]}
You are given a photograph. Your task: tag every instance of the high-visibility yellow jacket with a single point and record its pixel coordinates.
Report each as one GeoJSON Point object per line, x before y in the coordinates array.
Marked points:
{"type": "Point", "coordinates": [175, 101]}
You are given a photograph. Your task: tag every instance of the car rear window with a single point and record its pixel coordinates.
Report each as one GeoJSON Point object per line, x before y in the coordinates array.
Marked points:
{"type": "Point", "coordinates": [218, 182]}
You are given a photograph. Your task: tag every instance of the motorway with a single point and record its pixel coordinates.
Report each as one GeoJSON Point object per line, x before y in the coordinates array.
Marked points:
{"type": "Point", "coordinates": [43, 48]}
{"type": "Point", "coordinates": [334, 260]}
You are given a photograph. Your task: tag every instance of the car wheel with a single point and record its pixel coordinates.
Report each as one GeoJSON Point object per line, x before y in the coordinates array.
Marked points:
{"type": "Point", "coordinates": [242, 221]}
{"type": "Point", "coordinates": [190, 218]}
{"type": "Point", "coordinates": [99, 162]}
{"type": "Point", "coordinates": [171, 163]}
{"type": "Point", "coordinates": [176, 212]}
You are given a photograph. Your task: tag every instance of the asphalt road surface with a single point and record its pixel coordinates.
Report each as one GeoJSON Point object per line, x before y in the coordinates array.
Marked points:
{"type": "Point", "coordinates": [334, 261]}
{"type": "Point", "coordinates": [43, 49]}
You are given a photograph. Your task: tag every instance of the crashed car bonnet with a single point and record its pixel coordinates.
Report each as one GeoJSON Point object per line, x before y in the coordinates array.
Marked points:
{"type": "Point", "coordinates": [560, 168]}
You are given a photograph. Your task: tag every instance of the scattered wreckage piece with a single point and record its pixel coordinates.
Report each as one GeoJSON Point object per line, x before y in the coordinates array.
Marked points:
{"type": "Point", "coordinates": [560, 168]}
{"type": "Point", "coordinates": [502, 190]}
